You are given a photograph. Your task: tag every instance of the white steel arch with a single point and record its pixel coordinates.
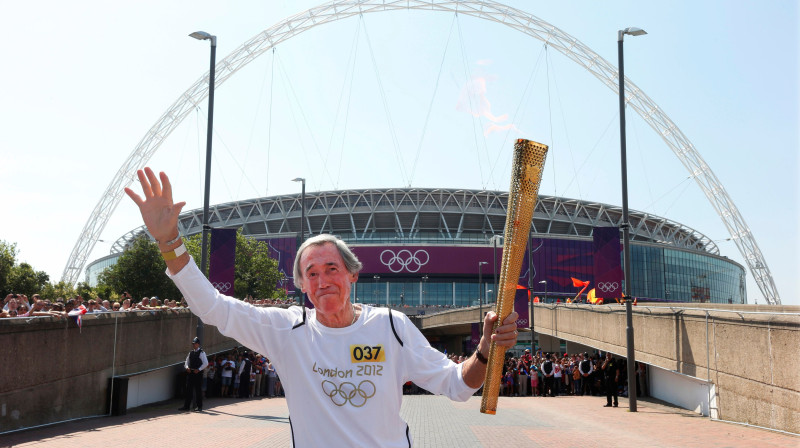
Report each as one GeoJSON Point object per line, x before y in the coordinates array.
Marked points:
{"type": "Point", "coordinates": [488, 10]}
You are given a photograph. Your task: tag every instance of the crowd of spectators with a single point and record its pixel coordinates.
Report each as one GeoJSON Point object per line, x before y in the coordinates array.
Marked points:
{"type": "Point", "coordinates": [240, 374]}
{"type": "Point", "coordinates": [19, 305]}
{"type": "Point", "coordinates": [552, 374]}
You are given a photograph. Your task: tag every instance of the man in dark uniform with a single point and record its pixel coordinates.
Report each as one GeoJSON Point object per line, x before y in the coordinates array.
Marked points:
{"type": "Point", "coordinates": [548, 371]}
{"type": "Point", "coordinates": [610, 369]}
{"type": "Point", "coordinates": [244, 376]}
{"type": "Point", "coordinates": [196, 361]}
{"type": "Point", "coordinates": [585, 369]}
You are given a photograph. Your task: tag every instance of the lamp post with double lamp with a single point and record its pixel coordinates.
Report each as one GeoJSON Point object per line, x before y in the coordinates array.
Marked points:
{"type": "Point", "coordinates": [626, 236]}
{"type": "Point", "coordinates": [480, 295]}
{"type": "Point", "coordinates": [202, 35]}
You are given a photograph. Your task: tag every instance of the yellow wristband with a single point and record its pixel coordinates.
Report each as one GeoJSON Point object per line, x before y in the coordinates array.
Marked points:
{"type": "Point", "coordinates": [173, 254]}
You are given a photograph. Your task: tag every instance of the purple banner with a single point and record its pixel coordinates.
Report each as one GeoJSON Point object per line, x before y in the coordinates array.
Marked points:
{"type": "Point", "coordinates": [607, 263]}
{"type": "Point", "coordinates": [521, 307]}
{"type": "Point", "coordinates": [476, 336]}
{"type": "Point", "coordinates": [556, 262]}
{"type": "Point", "coordinates": [283, 250]}
{"type": "Point", "coordinates": [222, 260]}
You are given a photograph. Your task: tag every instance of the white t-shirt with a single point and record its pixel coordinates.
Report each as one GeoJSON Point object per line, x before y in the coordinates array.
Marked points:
{"type": "Point", "coordinates": [344, 385]}
{"type": "Point", "coordinates": [227, 373]}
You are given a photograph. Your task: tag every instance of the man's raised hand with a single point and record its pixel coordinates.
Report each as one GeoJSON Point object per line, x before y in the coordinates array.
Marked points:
{"type": "Point", "coordinates": [160, 215]}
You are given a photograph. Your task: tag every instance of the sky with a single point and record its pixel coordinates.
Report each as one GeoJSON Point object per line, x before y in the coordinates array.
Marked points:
{"type": "Point", "coordinates": [396, 99]}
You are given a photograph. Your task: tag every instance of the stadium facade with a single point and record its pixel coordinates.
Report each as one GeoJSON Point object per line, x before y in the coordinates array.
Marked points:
{"type": "Point", "coordinates": [432, 246]}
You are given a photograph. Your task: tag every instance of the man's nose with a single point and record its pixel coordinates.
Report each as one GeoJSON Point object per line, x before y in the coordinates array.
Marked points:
{"type": "Point", "coordinates": [322, 281]}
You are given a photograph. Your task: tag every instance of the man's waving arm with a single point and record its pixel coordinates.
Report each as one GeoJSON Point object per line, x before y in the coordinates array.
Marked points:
{"type": "Point", "coordinates": [160, 215]}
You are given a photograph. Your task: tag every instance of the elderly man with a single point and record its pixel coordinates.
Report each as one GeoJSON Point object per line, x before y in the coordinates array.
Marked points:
{"type": "Point", "coordinates": [343, 365]}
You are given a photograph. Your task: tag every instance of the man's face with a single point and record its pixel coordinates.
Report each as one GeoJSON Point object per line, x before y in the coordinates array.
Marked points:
{"type": "Point", "coordinates": [325, 278]}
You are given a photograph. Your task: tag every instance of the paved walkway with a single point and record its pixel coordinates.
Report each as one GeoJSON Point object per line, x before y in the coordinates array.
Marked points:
{"type": "Point", "coordinates": [434, 421]}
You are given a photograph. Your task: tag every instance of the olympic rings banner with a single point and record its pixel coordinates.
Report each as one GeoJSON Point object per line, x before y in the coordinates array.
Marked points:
{"type": "Point", "coordinates": [222, 260]}
{"type": "Point", "coordinates": [607, 262]}
{"type": "Point", "coordinates": [521, 306]}
{"type": "Point", "coordinates": [419, 260]}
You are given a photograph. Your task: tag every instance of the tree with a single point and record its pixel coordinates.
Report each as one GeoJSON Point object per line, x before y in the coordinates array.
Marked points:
{"type": "Point", "coordinates": [257, 273]}
{"type": "Point", "coordinates": [84, 290]}
{"type": "Point", "coordinates": [140, 271]}
{"type": "Point", "coordinates": [52, 291]}
{"type": "Point", "coordinates": [24, 280]}
{"type": "Point", "coordinates": [8, 257]}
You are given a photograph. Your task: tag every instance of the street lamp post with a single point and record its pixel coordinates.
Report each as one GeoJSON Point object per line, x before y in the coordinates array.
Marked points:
{"type": "Point", "coordinates": [480, 295]}
{"type": "Point", "coordinates": [302, 223]}
{"type": "Point", "coordinates": [494, 265]}
{"type": "Point", "coordinates": [375, 289]}
{"type": "Point", "coordinates": [533, 347]}
{"type": "Point", "coordinates": [626, 236]}
{"type": "Point", "coordinates": [376, 277]}
{"type": "Point", "coordinates": [202, 35]}
{"type": "Point", "coordinates": [302, 208]}
{"type": "Point", "coordinates": [422, 294]}
{"type": "Point", "coordinates": [545, 289]}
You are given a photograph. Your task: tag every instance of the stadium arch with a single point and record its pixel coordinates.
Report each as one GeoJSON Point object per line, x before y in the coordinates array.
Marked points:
{"type": "Point", "coordinates": [488, 10]}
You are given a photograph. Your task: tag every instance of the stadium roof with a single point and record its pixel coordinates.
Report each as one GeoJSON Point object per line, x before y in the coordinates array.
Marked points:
{"type": "Point", "coordinates": [435, 216]}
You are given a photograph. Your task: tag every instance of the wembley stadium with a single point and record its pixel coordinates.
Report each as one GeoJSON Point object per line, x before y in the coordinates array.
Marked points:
{"type": "Point", "coordinates": [438, 246]}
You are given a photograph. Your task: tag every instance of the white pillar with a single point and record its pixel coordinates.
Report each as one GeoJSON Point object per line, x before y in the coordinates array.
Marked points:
{"type": "Point", "coordinates": [454, 294]}
{"type": "Point", "coordinates": [387, 293]}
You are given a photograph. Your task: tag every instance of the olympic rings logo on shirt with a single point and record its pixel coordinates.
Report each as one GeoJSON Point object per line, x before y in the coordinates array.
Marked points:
{"type": "Point", "coordinates": [346, 392]}
{"type": "Point", "coordinates": [404, 259]}
{"type": "Point", "coordinates": [221, 286]}
{"type": "Point", "coordinates": [608, 286]}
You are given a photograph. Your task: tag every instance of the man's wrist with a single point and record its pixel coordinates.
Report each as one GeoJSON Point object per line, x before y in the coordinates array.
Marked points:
{"type": "Point", "coordinates": [169, 241]}
{"type": "Point", "coordinates": [169, 255]}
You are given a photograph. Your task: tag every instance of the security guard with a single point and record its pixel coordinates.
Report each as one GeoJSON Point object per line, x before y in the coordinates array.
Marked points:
{"type": "Point", "coordinates": [611, 373]}
{"type": "Point", "coordinates": [196, 361]}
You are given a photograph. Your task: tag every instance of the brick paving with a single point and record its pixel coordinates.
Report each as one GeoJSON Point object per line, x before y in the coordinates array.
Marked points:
{"type": "Point", "coordinates": [434, 421]}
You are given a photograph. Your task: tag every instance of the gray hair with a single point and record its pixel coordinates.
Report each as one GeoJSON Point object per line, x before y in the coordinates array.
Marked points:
{"type": "Point", "coordinates": [351, 262]}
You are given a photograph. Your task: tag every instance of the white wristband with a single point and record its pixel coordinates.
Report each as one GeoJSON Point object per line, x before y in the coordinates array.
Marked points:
{"type": "Point", "coordinates": [173, 254]}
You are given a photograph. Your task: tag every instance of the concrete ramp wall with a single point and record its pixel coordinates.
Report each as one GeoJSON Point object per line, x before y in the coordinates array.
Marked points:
{"type": "Point", "coordinates": [751, 355]}
{"type": "Point", "coordinates": [52, 371]}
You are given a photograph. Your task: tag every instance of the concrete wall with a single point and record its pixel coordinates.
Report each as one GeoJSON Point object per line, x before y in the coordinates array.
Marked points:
{"type": "Point", "coordinates": [753, 360]}
{"type": "Point", "coordinates": [685, 391]}
{"type": "Point", "coordinates": [53, 371]}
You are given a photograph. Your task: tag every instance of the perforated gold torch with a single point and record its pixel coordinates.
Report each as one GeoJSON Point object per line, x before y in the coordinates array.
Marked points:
{"type": "Point", "coordinates": [526, 175]}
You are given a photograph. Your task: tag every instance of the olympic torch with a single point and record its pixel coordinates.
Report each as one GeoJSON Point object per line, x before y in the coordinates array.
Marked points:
{"type": "Point", "coordinates": [526, 175]}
